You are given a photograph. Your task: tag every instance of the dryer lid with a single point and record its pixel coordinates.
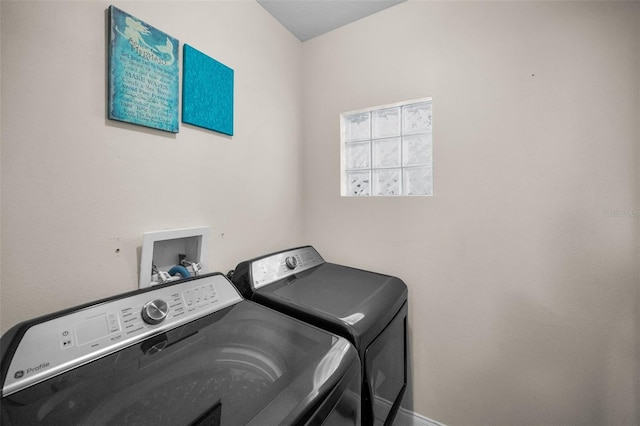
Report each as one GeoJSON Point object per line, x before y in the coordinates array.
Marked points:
{"type": "Point", "coordinates": [351, 302]}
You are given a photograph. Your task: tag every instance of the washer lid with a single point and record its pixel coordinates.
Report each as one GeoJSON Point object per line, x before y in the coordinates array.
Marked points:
{"type": "Point", "coordinates": [244, 364]}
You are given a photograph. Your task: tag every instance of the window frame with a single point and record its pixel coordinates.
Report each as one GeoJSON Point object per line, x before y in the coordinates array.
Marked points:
{"type": "Point", "coordinates": [344, 189]}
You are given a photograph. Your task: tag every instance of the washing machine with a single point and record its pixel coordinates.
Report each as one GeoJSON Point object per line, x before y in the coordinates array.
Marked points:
{"type": "Point", "coordinates": [367, 308]}
{"type": "Point", "coordinates": [192, 352]}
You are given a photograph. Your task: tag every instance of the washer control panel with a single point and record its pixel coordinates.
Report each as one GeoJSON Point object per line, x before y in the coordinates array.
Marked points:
{"type": "Point", "coordinates": [280, 265]}
{"type": "Point", "coordinates": [51, 347]}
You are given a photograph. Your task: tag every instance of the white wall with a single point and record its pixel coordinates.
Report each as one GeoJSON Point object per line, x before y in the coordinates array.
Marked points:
{"type": "Point", "coordinates": [523, 292]}
{"type": "Point", "coordinates": [76, 187]}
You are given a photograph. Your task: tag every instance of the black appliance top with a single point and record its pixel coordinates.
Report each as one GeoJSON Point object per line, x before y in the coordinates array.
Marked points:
{"type": "Point", "coordinates": [213, 359]}
{"type": "Point", "coordinates": [353, 303]}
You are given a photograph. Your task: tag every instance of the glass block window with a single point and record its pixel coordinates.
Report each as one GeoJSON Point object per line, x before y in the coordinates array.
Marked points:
{"type": "Point", "coordinates": [387, 150]}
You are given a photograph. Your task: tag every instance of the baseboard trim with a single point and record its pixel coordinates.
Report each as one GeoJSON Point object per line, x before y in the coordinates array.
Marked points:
{"type": "Point", "coordinates": [409, 418]}
{"type": "Point", "coordinates": [404, 417]}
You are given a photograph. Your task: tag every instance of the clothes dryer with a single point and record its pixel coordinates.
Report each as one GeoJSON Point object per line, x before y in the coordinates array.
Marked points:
{"type": "Point", "coordinates": [367, 308]}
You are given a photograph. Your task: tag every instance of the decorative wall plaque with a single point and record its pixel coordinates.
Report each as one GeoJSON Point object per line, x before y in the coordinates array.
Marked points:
{"type": "Point", "coordinates": [143, 73]}
{"type": "Point", "coordinates": [207, 92]}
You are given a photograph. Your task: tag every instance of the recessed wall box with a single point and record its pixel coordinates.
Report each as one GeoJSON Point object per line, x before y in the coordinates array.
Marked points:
{"type": "Point", "coordinates": [162, 249]}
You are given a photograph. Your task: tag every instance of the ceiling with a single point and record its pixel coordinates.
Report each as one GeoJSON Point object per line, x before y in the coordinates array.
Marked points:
{"type": "Point", "coordinates": [310, 18]}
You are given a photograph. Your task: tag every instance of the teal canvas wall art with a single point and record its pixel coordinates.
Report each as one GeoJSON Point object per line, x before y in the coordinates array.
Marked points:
{"type": "Point", "coordinates": [143, 73]}
{"type": "Point", "coordinates": [207, 92]}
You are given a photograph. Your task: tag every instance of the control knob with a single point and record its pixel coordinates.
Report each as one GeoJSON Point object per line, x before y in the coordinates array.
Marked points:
{"type": "Point", "coordinates": [155, 311]}
{"type": "Point", "coordinates": [291, 262]}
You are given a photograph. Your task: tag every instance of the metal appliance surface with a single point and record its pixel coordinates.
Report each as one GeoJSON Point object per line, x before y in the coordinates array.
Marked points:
{"type": "Point", "coordinates": [367, 308]}
{"type": "Point", "coordinates": [192, 352]}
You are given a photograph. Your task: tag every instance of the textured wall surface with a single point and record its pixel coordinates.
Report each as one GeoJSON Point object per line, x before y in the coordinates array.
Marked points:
{"type": "Point", "coordinates": [78, 190]}
{"type": "Point", "coordinates": [522, 273]}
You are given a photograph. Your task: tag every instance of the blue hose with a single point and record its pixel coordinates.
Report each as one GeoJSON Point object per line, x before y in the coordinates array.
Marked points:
{"type": "Point", "coordinates": [184, 272]}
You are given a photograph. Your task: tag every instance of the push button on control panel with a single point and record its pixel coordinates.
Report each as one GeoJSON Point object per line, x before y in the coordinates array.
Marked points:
{"type": "Point", "coordinates": [112, 320]}
{"type": "Point", "coordinates": [197, 297]}
{"type": "Point", "coordinates": [66, 339]}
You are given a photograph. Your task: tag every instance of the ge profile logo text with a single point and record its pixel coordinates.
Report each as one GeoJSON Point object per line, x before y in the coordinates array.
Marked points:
{"type": "Point", "coordinates": [20, 373]}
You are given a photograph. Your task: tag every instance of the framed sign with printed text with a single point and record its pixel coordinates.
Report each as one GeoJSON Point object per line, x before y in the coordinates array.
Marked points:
{"type": "Point", "coordinates": [143, 73]}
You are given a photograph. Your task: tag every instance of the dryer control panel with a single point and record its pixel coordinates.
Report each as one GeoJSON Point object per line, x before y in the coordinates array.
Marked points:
{"type": "Point", "coordinates": [277, 266]}
{"type": "Point", "coordinates": [51, 346]}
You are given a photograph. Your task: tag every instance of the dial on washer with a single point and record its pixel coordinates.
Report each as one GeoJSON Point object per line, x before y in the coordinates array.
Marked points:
{"type": "Point", "coordinates": [155, 311]}
{"type": "Point", "coordinates": [291, 262]}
